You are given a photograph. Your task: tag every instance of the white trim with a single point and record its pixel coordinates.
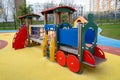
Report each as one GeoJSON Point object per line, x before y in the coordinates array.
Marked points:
{"type": "Point", "coordinates": [37, 26]}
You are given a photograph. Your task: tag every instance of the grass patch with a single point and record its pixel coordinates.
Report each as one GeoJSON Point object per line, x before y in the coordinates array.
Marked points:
{"type": "Point", "coordinates": [111, 30]}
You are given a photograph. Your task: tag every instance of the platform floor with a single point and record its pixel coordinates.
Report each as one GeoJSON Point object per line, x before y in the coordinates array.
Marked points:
{"type": "Point", "coordinates": [29, 64]}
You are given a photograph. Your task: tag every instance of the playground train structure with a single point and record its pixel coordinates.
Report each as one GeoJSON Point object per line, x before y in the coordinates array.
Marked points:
{"type": "Point", "coordinates": [62, 42]}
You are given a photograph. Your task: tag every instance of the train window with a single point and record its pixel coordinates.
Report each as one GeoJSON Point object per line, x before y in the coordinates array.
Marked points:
{"type": "Point", "coordinates": [89, 37]}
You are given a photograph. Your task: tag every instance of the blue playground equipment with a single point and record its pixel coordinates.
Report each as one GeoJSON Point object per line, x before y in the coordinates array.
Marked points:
{"type": "Point", "coordinates": [34, 30]}
{"type": "Point", "coordinates": [50, 27]}
{"type": "Point", "coordinates": [71, 46]}
{"type": "Point", "coordinates": [90, 35]}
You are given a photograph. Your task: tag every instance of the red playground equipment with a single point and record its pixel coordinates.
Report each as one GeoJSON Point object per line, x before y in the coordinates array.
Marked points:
{"type": "Point", "coordinates": [22, 38]}
{"type": "Point", "coordinates": [19, 40]}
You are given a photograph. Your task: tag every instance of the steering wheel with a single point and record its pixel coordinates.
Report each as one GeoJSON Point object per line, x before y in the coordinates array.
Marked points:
{"type": "Point", "coordinates": [65, 25]}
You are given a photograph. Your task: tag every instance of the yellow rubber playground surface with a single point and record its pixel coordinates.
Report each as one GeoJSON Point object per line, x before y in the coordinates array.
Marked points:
{"type": "Point", "coordinates": [29, 64]}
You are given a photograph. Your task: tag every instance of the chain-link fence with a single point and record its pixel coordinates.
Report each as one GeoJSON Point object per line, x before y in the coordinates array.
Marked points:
{"type": "Point", "coordinates": [101, 17]}
{"type": "Point", "coordinates": [107, 17]}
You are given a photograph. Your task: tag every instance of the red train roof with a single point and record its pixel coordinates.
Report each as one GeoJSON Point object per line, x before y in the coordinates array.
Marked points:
{"type": "Point", "coordinates": [50, 10]}
{"type": "Point", "coordinates": [28, 15]}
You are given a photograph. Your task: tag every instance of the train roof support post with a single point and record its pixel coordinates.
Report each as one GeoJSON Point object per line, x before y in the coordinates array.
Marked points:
{"type": "Point", "coordinates": [45, 18]}
{"type": "Point", "coordinates": [27, 24]}
{"type": "Point", "coordinates": [59, 17]}
{"type": "Point", "coordinates": [79, 40]}
{"type": "Point", "coordinates": [30, 21]}
{"type": "Point", "coordinates": [37, 20]}
{"type": "Point", "coordinates": [69, 18]}
{"type": "Point", "coordinates": [21, 22]}
{"type": "Point", "coordinates": [79, 43]}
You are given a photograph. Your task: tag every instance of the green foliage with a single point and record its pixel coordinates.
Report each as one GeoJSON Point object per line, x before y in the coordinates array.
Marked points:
{"type": "Point", "coordinates": [23, 9]}
{"type": "Point", "coordinates": [64, 17]}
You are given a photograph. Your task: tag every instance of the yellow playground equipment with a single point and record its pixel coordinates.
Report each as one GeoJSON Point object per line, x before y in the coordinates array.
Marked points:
{"type": "Point", "coordinates": [79, 19]}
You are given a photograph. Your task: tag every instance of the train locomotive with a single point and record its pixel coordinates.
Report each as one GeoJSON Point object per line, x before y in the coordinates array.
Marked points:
{"type": "Point", "coordinates": [72, 46]}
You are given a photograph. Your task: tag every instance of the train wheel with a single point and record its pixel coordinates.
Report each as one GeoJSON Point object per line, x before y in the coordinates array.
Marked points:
{"type": "Point", "coordinates": [73, 63]}
{"type": "Point", "coordinates": [61, 58]}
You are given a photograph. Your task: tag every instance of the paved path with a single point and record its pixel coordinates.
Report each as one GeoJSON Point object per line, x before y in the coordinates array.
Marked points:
{"type": "Point", "coordinates": [107, 41]}
{"type": "Point", "coordinates": [110, 49]}
{"type": "Point", "coordinates": [7, 31]}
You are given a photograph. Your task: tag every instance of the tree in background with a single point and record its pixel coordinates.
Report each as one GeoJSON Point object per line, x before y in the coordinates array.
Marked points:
{"type": "Point", "coordinates": [7, 6]}
{"type": "Point", "coordinates": [48, 5]}
{"type": "Point", "coordinates": [64, 17]}
{"type": "Point", "coordinates": [23, 9]}
{"type": "Point", "coordinates": [67, 3]}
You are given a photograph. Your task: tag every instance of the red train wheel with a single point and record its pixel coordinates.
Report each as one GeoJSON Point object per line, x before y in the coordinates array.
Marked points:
{"type": "Point", "coordinates": [61, 58]}
{"type": "Point", "coordinates": [73, 63]}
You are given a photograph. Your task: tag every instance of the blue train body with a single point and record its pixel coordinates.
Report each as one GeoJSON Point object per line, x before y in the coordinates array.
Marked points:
{"type": "Point", "coordinates": [70, 36]}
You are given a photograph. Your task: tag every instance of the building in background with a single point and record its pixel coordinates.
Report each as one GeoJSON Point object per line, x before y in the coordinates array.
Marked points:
{"type": "Point", "coordinates": [105, 5]}
{"type": "Point", "coordinates": [106, 11]}
{"type": "Point", "coordinates": [118, 5]}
